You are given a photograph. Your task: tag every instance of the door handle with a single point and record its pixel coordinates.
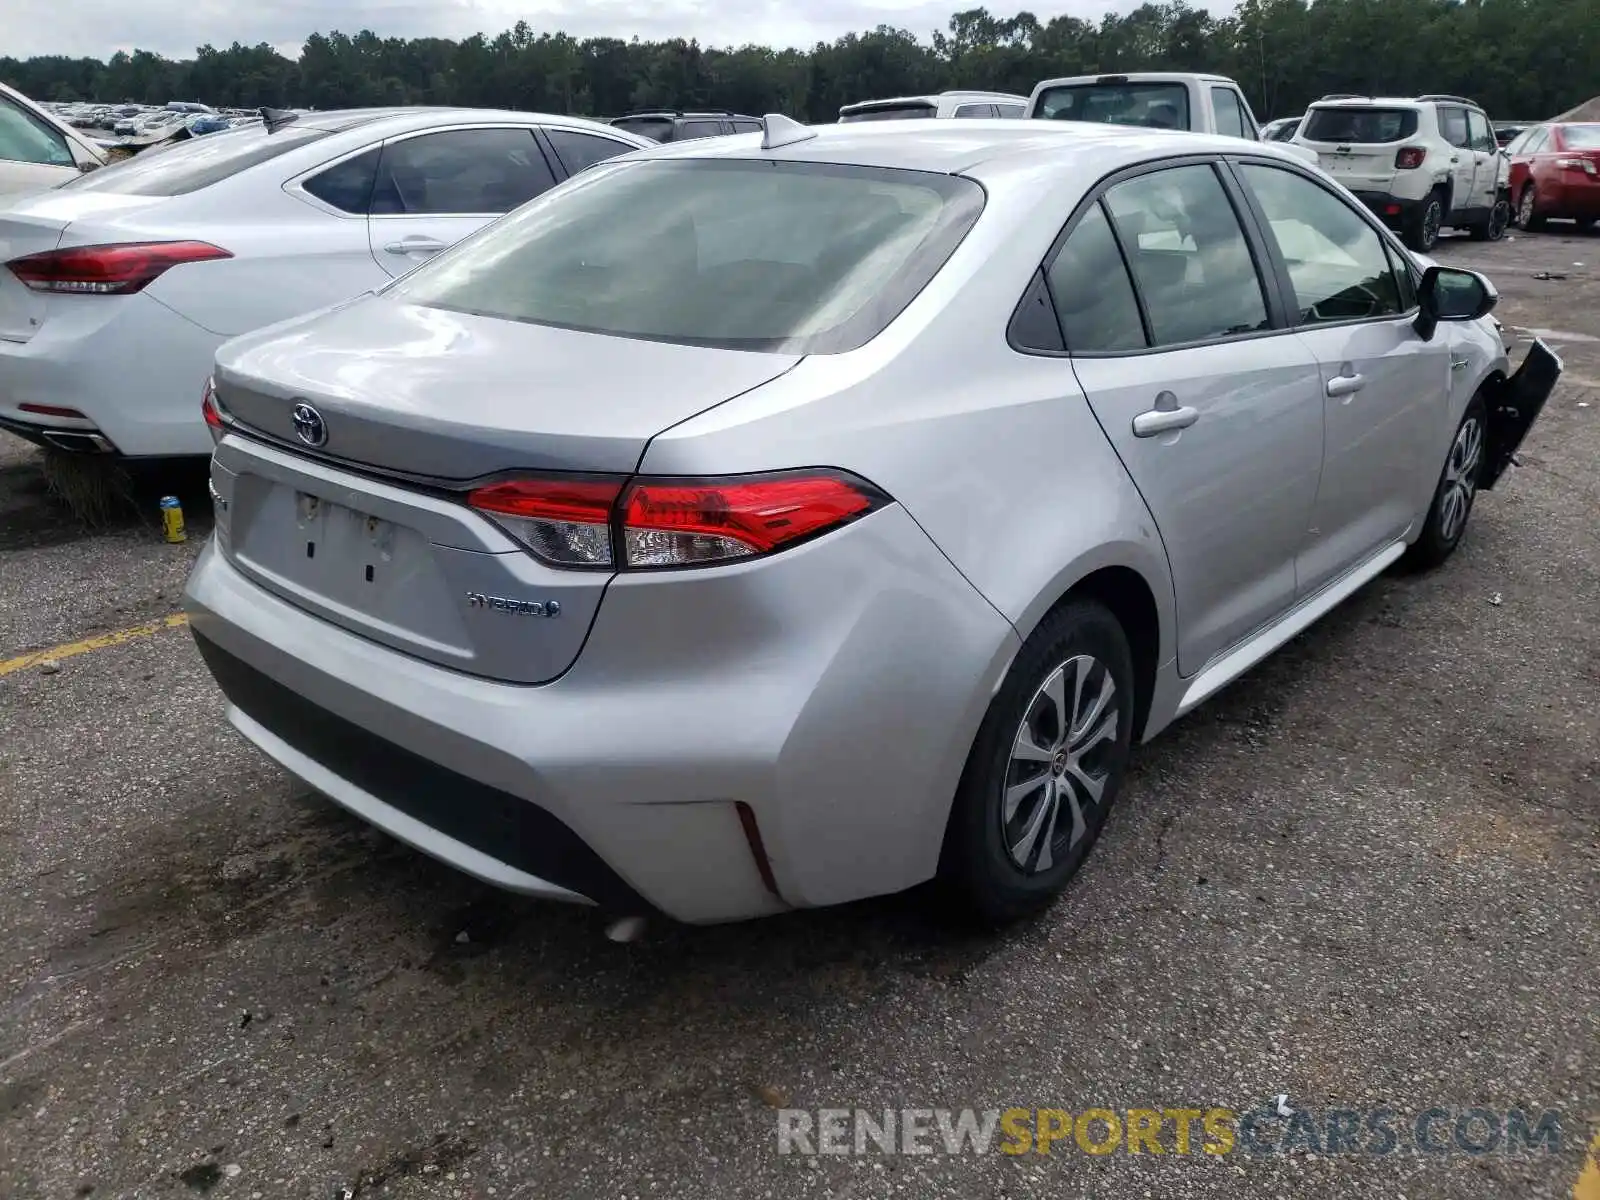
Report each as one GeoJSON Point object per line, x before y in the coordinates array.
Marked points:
{"type": "Point", "coordinates": [415, 245]}
{"type": "Point", "coordinates": [1455, 158]}
{"type": "Point", "coordinates": [1164, 420]}
{"type": "Point", "coordinates": [1346, 385]}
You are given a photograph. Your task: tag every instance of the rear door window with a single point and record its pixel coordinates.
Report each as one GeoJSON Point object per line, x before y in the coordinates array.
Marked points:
{"type": "Point", "coordinates": [1010, 110]}
{"type": "Point", "coordinates": [1453, 126]}
{"type": "Point", "coordinates": [346, 185]}
{"type": "Point", "coordinates": [460, 172]}
{"type": "Point", "coordinates": [1091, 290]}
{"type": "Point", "coordinates": [1190, 258]}
{"type": "Point", "coordinates": [656, 128]}
{"type": "Point", "coordinates": [1480, 133]}
{"type": "Point", "coordinates": [580, 150]}
{"type": "Point", "coordinates": [746, 126]}
{"type": "Point", "coordinates": [971, 111]}
{"type": "Point", "coordinates": [1363, 125]}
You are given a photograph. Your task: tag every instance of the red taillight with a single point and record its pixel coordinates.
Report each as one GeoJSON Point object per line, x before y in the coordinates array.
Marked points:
{"type": "Point", "coordinates": [563, 521]}
{"type": "Point", "coordinates": [672, 522]}
{"type": "Point", "coordinates": [208, 410]}
{"type": "Point", "coordinates": [113, 270]}
{"type": "Point", "coordinates": [675, 523]}
{"type": "Point", "coordinates": [1408, 158]}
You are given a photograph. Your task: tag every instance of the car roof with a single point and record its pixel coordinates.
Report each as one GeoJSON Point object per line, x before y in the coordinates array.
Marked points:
{"type": "Point", "coordinates": [403, 120]}
{"type": "Point", "coordinates": [1134, 77]}
{"type": "Point", "coordinates": [959, 147]}
{"type": "Point", "coordinates": [932, 98]}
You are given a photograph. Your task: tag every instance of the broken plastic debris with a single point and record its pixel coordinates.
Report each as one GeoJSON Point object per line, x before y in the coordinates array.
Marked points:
{"type": "Point", "coordinates": [1496, 600]}
{"type": "Point", "coordinates": [1548, 275]}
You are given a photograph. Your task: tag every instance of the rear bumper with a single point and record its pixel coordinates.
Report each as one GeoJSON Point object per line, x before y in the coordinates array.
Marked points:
{"type": "Point", "coordinates": [1393, 210]}
{"type": "Point", "coordinates": [1579, 199]}
{"type": "Point", "coordinates": [833, 691]}
{"type": "Point", "coordinates": [132, 366]}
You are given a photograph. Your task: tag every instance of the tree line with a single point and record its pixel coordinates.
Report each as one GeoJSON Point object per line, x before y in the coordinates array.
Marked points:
{"type": "Point", "coordinates": [1521, 59]}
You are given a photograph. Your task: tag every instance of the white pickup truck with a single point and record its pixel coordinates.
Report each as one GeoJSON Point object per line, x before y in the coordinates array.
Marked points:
{"type": "Point", "coordinates": [1154, 100]}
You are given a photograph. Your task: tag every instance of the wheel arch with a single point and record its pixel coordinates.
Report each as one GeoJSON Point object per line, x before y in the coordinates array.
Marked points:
{"type": "Point", "coordinates": [1128, 594]}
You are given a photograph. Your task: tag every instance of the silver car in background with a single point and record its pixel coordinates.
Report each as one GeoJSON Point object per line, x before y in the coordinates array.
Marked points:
{"type": "Point", "coordinates": [775, 520]}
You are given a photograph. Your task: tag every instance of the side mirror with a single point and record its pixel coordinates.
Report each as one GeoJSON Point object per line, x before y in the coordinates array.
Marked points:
{"type": "Point", "coordinates": [1451, 294]}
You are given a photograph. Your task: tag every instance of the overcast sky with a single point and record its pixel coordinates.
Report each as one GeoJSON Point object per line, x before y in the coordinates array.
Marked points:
{"type": "Point", "coordinates": [175, 27]}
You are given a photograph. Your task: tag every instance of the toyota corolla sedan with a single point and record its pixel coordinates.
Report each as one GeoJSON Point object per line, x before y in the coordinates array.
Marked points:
{"type": "Point", "coordinates": [769, 521]}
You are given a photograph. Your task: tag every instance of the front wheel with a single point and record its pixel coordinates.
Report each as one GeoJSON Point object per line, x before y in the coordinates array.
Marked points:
{"type": "Point", "coordinates": [1458, 488]}
{"type": "Point", "coordinates": [1045, 768]}
{"type": "Point", "coordinates": [1422, 233]}
{"type": "Point", "coordinates": [1494, 228]}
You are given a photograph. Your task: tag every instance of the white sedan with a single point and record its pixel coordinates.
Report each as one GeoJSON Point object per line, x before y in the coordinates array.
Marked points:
{"type": "Point", "coordinates": [118, 287]}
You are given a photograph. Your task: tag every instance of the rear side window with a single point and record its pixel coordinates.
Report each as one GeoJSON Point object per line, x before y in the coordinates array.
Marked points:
{"type": "Point", "coordinates": [1010, 110]}
{"type": "Point", "coordinates": [197, 163]}
{"type": "Point", "coordinates": [971, 111]}
{"type": "Point", "coordinates": [1581, 137]}
{"type": "Point", "coordinates": [895, 112]}
{"type": "Point", "coordinates": [1360, 125]}
{"type": "Point", "coordinates": [774, 255]}
{"type": "Point", "coordinates": [346, 185]}
{"type": "Point", "coordinates": [1092, 292]}
{"type": "Point", "coordinates": [460, 171]}
{"type": "Point", "coordinates": [1230, 115]}
{"type": "Point", "coordinates": [746, 126]}
{"type": "Point", "coordinates": [699, 129]}
{"type": "Point", "coordinates": [1152, 105]}
{"type": "Point", "coordinates": [1190, 258]}
{"type": "Point", "coordinates": [580, 150]}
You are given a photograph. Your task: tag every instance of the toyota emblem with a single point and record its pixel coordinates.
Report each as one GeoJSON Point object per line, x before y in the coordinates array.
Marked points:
{"type": "Point", "coordinates": [309, 426]}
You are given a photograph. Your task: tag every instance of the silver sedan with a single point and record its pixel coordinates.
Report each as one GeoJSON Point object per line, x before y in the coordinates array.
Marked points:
{"type": "Point", "coordinates": [776, 520]}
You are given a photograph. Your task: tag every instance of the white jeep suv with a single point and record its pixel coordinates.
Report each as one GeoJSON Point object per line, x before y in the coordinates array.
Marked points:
{"type": "Point", "coordinates": [1420, 164]}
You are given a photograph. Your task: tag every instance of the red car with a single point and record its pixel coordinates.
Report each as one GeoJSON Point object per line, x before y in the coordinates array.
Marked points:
{"type": "Point", "coordinates": [1555, 172]}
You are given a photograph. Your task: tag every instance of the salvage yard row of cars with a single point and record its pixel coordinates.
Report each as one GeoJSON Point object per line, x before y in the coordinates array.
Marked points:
{"type": "Point", "coordinates": [595, 537]}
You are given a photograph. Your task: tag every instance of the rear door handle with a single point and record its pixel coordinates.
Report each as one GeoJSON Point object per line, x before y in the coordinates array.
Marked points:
{"type": "Point", "coordinates": [1346, 385]}
{"type": "Point", "coordinates": [415, 245]}
{"type": "Point", "coordinates": [1164, 420]}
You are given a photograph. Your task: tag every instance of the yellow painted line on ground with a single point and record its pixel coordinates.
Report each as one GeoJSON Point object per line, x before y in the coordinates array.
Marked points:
{"type": "Point", "coordinates": [98, 642]}
{"type": "Point", "coordinates": [1588, 1185]}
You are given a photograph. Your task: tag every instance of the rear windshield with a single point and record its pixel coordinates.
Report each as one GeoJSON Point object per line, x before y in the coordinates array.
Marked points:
{"type": "Point", "coordinates": [196, 164]}
{"type": "Point", "coordinates": [1360, 124]}
{"type": "Point", "coordinates": [1152, 105]}
{"type": "Point", "coordinates": [1581, 137]}
{"type": "Point", "coordinates": [788, 257]}
{"type": "Point", "coordinates": [888, 112]}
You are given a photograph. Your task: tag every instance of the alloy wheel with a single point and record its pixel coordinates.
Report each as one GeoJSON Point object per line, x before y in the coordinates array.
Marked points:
{"type": "Point", "coordinates": [1460, 483]}
{"type": "Point", "coordinates": [1432, 218]}
{"type": "Point", "coordinates": [1060, 763]}
{"type": "Point", "coordinates": [1499, 218]}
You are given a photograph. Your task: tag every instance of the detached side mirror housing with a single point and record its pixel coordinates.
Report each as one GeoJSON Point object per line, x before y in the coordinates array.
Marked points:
{"type": "Point", "coordinates": [1451, 294]}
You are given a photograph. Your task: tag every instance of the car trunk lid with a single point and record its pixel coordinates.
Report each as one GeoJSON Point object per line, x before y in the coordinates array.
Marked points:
{"type": "Point", "coordinates": [372, 531]}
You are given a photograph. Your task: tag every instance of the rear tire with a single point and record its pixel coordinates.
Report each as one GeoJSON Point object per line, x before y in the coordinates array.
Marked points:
{"type": "Point", "coordinates": [1045, 768]}
{"type": "Point", "coordinates": [1456, 490]}
{"type": "Point", "coordinates": [1422, 229]}
{"type": "Point", "coordinates": [1528, 217]}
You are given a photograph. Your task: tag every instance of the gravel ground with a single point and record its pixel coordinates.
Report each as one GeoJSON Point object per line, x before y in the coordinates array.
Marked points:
{"type": "Point", "coordinates": [1366, 875]}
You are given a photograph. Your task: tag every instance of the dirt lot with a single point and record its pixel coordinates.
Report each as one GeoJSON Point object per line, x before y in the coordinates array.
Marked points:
{"type": "Point", "coordinates": [1366, 875]}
